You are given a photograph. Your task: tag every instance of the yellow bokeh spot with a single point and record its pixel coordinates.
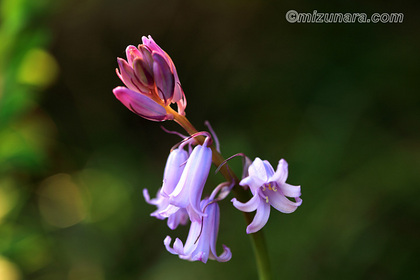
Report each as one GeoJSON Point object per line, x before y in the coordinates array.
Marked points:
{"type": "Point", "coordinates": [33, 251]}
{"type": "Point", "coordinates": [60, 201]}
{"type": "Point", "coordinates": [9, 195]}
{"type": "Point", "coordinates": [38, 68]}
{"type": "Point", "coordinates": [8, 270]}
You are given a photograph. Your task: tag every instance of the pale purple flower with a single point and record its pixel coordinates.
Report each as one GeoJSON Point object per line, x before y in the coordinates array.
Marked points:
{"type": "Point", "coordinates": [268, 188]}
{"type": "Point", "coordinates": [174, 167]}
{"type": "Point", "coordinates": [187, 193]}
{"type": "Point", "coordinates": [152, 82]}
{"type": "Point", "coordinates": [202, 237]}
{"type": "Point", "coordinates": [173, 170]}
{"type": "Point", "coordinates": [161, 202]}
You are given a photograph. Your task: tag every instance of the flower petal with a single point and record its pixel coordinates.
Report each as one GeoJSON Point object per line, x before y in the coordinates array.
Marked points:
{"type": "Point", "coordinates": [180, 217]}
{"type": "Point", "coordinates": [247, 164]}
{"type": "Point", "coordinates": [151, 44]}
{"type": "Point", "coordinates": [249, 206]}
{"type": "Point", "coordinates": [141, 105]}
{"type": "Point", "coordinates": [187, 193]}
{"type": "Point", "coordinates": [281, 203]}
{"type": "Point", "coordinates": [181, 103]}
{"type": "Point", "coordinates": [260, 218]}
{"type": "Point", "coordinates": [281, 173]}
{"type": "Point", "coordinates": [160, 202]}
{"type": "Point", "coordinates": [257, 169]}
{"type": "Point", "coordinates": [268, 169]}
{"type": "Point", "coordinates": [164, 78]}
{"type": "Point", "coordinates": [253, 182]}
{"type": "Point", "coordinates": [178, 95]}
{"type": "Point", "coordinates": [173, 170]}
{"type": "Point", "coordinates": [178, 246]}
{"type": "Point", "coordinates": [132, 52]}
{"type": "Point", "coordinates": [225, 256]}
{"type": "Point", "coordinates": [169, 211]}
{"type": "Point", "coordinates": [290, 190]}
{"type": "Point", "coordinates": [143, 72]}
{"type": "Point", "coordinates": [129, 78]}
{"type": "Point", "coordinates": [178, 91]}
{"type": "Point", "coordinates": [193, 235]}
{"type": "Point", "coordinates": [147, 196]}
{"type": "Point", "coordinates": [146, 55]}
{"type": "Point", "coordinates": [213, 220]}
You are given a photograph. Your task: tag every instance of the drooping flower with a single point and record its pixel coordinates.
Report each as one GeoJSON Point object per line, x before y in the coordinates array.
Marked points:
{"type": "Point", "coordinates": [202, 237]}
{"type": "Point", "coordinates": [173, 170]}
{"type": "Point", "coordinates": [187, 193]}
{"type": "Point", "coordinates": [152, 82]}
{"type": "Point", "coordinates": [268, 188]}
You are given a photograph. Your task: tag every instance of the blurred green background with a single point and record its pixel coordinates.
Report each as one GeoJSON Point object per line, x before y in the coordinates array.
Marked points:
{"type": "Point", "coordinates": [340, 102]}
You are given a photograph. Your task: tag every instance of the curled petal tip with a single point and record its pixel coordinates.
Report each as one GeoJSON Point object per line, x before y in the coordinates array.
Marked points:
{"type": "Point", "coordinates": [146, 195]}
{"type": "Point", "coordinates": [144, 39]}
{"type": "Point", "coordinates": [132, 52]}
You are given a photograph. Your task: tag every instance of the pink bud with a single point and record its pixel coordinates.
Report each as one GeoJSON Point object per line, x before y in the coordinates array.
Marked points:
{"type": "Point", "coordinates": [164, 78]}
{"type": "Point", "coordinates": [152, 81]}
{"type": "Point", "coordinates": [141, 104]}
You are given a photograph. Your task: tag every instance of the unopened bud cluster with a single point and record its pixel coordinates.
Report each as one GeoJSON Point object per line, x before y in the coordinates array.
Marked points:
{"type": "Point", "coordinates": [151, 80]}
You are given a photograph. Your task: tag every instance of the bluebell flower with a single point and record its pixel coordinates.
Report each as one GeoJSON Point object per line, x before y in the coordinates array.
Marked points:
{"type": "Point", "coordinates": [202, 237]}
{"type": "Point", "coordinates": [187, 193]}
{"type": "Point", "coordinates": [268, 188]}
{"type": "Point", "coordinates": [173, 171]}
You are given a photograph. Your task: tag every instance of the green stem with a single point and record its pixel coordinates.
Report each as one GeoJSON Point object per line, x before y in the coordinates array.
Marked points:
{"type": "Point", "coordinates": [260, 249]}
{"type": "Point", "coordinates": [257, 238]}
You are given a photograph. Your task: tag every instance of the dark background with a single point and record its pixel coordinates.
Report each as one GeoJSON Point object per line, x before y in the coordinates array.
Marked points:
{"type": "Point", "coordinates": [340, 102]}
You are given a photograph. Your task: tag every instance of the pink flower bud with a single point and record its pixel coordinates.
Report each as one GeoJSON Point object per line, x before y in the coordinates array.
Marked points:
{"type": "Point", "coordinates": [141, 104]}
{"type": "Point", "coordinates": [149, 72]}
